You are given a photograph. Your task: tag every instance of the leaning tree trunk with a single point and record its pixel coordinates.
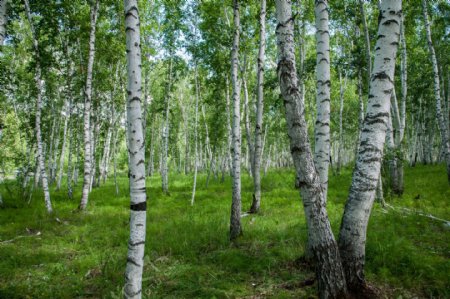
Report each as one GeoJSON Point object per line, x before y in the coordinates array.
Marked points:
{"type": "Point", "coordinates": [322, 125]}
{"type": "Point", "coordinates": [325, 252]}
{"type": "Point", "coordinates": [259, 111]}
{"type": "Point", "coordinates": [367, 170]}
{"type": "Point", "coordinates": [235, 219]}
{"type": "Point", "coordinates": [136, 147]}
{"type": "Point", "coordinates": [437, 92]}
{"type": "Point", "coordinates": [40, 91]}
{"type": "Point", "coordinates": [87, 110]}
{"type": "Point", "coordinates": [341, 110]}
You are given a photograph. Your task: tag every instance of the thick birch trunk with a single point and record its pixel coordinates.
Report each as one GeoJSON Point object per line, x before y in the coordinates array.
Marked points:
{"type": "Point", "coordinates": [256, 203]}
{"type": "Point", "coordinates": [40, 154]}
{"type": "Point", "coordinates": [87, 110]}
{"type": "Point", "coordinates": [235, 218]}
{"type": "Point", "coordinates": [367, 171]}
{"type": "Point", "coordinates": [136, 148]}
{"type": "Point", "coordinates": [322, 124]}
{"type": "Point", "coordinates": [329, 271]}
{"type": "Point", "coordinates": [437, 92]}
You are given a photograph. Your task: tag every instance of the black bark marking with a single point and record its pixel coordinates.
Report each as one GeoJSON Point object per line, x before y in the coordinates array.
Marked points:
{"type": "Point", "coordinates": [142, 206]}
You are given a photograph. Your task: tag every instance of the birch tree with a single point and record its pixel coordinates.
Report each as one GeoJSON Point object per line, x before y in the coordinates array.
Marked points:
{"type": "Point", "coordinates": [3, 20]}
{"type": "Point", "coordinates": [324, 248]}
{"type": "Point", "coordinates": [353, 230]}
{"type": "Point", "coordinates": [87, 109]}
{"type": "Point", "coordinates": [235, 219]}
{"type": "Point", "coordinates": [443, 128]}
{"type": "Point", "coordinates": [136, 149]}
{"type": "Point", "coordinates": [322, 124]}
{"type": "Point", "coordinates": [40, 91]}
{"type": "Point", "coordinates": [259, 111]}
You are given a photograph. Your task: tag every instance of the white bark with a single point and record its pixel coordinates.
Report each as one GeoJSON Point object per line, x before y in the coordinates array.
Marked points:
{"type": "Point", "coordinates": [165, 135]}
{"type": "Point", "coordinates": [341, 110]}
{"type": "Point", "coordinates": [437, 91]}
{"type": "Point", "coordinates": [322, 124]}
{"type": "Point", "coordinates": [136, 148]}
{"type": "Point", "coordinates": [87, 109]}
{"type": "Point", "coordinates": [235, 218]}
{"type": "Point", "coordinates": [40, 91]}
{"type": "Point", "coordinates": [366, 39]}
{"type": "Point", "coordinates": [367, 171]}
{"type": "Point", "coordinates": [329, 271]}
{"type": "Point", "coordinates": [259, 111]}
{"type": "Point", "coordinates": [63, 148]}
{"type": "Point", "coordinates": [3, 20]}
{"type": "Point", "coordinates": [195, 137]}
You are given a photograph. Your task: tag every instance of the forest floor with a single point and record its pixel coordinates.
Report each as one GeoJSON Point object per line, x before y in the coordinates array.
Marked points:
{"type": "Point", "coordinates": [83, 255]}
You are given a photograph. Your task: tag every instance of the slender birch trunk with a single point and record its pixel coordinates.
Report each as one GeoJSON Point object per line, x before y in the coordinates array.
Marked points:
{"type": "Point", "coordinates": [367, 170]}
{"type": "Point", "coordinates": [256, 203]}
{"type": "Point", "coordinates": [250, 148]}
{"type": "Point", "coordinates": [63, 148]}
{"type": "Point", "coordinates": [329, 270]}
{"type": "Point", "coordinates": [437, 91]}
{"type": "Point", "coordinates": [235, 218]}
{"type": "Point", "coordinates": [230, 132]}
{"type": "Point", "coordinates": [87, 109]}
{"type": "Point", "coordinates": [341, 110]}
{"type": "Point", "coordinates": [69, 158]}
{"type": "Point", "coordinates": [3, 20]}
{"type": "Point", "coordinates": [40, 91]}
{"type": "Point", "coordinates": [361, 111]}
{"type": "Point", "coordinates": [136, 147]}
{"type": "Point", "coordinates": [366, 39]}
{"type": "Point", "coordinates": [322, 124]}
{"type": "Point", "coordinates": [195, 137]}
{"type": "Point", "coordinates": [165, 136]}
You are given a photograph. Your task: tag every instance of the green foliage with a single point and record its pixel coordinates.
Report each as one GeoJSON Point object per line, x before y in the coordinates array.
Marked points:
{"type": "Point", "coordinates": [188, 254]}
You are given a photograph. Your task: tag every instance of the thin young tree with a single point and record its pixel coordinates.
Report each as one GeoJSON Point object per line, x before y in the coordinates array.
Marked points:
{"type": "Point", "coordinates": [443, 128]}
{"type": "Point", "coordinates": [87, 109]}
{"type": "Point", "coordinates": [235, 218]}
{"type": "Point", "coordinates": [256, 203]}
{"type": "Point", "coordinates": [352, 238]}
{"type": "Point", "coordinates": [40, 91]}
{"type": "Point", "coordinates": [3, 19]}
{"type": "Point", "coordinates": [136, 149]}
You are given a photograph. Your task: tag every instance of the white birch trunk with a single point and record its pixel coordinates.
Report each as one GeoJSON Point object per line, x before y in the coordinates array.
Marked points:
{"type": "Point", "coordinates": [366, 39]}
{"type": "Point", "coordinates": [256, 203]}
{"type": "Point", "coordinates": [165, 136]}
{"type": "Point", "coordinates": [63, 148]}
{"type": "Point", "coordinates": [87, 110]}
{"type": "Point", "coordinates": [40, 154]}
{"type": "Point", "coordinates": [195, 137]}
{"type": "Point", "coordinates": [367, 170]}
{"type": "Point", "coordinates": [235, 218]}
{"type": "Point", "coordinates": [329, 271]}
{"type": "Point", "coordinates": [437, 92]}
{"type": "Point", "coordinates": [3, 20]}
{"type": "Point", "coordinates": [136, 148]}
{"type": "Point", "coordinates": [322, 124]}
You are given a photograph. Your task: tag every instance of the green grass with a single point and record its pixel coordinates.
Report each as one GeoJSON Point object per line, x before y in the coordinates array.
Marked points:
{"type": "Point", "coordinates": [188, 254]}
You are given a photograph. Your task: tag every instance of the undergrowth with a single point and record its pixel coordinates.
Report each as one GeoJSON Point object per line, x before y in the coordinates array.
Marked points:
{"type": "Point", "coordinates": [188, 255]}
